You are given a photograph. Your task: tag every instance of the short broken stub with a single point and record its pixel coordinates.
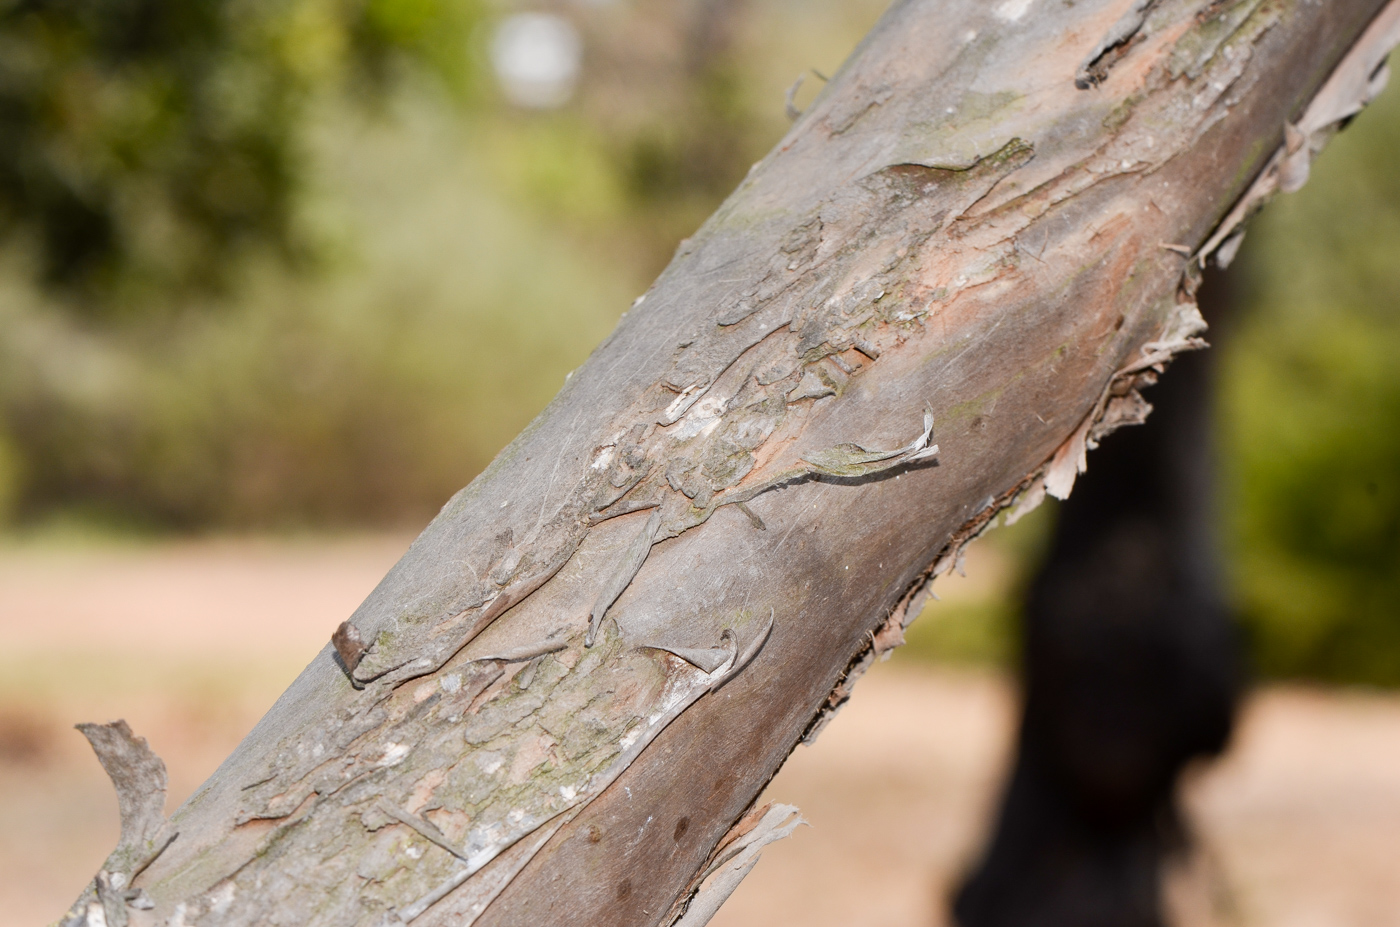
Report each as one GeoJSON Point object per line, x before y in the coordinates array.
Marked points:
{"type": "Point", "coordinates": [140, 780]}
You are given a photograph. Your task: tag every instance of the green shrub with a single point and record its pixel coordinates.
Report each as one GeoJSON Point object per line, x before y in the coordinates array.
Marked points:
{"type": "Point", "coordinates": [1311, 417]}
{"type": "Point", "coordinates": [366, 395]}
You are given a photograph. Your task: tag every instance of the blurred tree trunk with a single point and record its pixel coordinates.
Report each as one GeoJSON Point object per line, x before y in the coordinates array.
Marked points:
{"type": "Point", "coordinates": [1129, 671]}
{"type": "Point", "coordinates": [922, 308]}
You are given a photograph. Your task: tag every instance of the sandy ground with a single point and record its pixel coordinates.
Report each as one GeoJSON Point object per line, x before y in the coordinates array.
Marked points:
{"type": "Point", "coordinates": [192, 642]}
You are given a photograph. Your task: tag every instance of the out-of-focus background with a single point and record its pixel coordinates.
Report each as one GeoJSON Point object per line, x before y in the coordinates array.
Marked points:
{"type": "Point", "coordinates": [279, 276]}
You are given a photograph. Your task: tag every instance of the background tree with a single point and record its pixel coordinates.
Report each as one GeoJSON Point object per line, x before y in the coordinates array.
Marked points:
{"type": "Point", "coordinates": [147, 143]}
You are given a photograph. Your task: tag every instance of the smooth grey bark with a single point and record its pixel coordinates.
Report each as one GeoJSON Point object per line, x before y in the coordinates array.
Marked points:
{"type": "Point", "coordinates": [921, 309]}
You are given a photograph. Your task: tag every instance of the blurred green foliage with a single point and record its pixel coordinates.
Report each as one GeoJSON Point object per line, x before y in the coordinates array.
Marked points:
{"type": "Point", "coordinates": [1310, 418]}
{"type": "Point", "coordinates": [295, 263]}
{"type": "Point", "coordinates": [145, 143]}
{"type": "Point", "coordinates": [364, 395]}
{"type": "Point", "coordinates": [458, 256]}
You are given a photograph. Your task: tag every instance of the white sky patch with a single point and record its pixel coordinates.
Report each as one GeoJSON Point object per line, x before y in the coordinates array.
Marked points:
{"type": "Point", "coordinates": [1012, 10]}
{"type": "Point", "coordinates": [537, 58]}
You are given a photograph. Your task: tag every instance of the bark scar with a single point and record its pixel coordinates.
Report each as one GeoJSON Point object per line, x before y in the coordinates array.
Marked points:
{"type": "Point", "coordinates": [1116, 43]}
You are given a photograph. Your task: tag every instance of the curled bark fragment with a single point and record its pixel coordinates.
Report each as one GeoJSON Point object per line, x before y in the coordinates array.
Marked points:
{"type": "Point", "coordinates": [631, 564]}
{"type": "Point", "coordinates": [1027, 501]}
{"type": "Point", "coordinates": [139, 778]}
{"type": "Point", "coordinates": [109, 896]}
{"type": "Point", "coordinates": [734, 859]}
{"type": "Point", "coordinates": [1225, 254]}
{"type": "Point", "coordinates": [1119, 406]}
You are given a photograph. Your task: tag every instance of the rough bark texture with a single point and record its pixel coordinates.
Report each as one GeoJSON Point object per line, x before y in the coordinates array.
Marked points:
{"type": "Point", "coordinates": [559, 703]}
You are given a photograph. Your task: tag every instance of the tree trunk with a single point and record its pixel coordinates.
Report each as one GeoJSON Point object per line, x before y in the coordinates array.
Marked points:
{"type": "Point", "coordinates": [922, 308]}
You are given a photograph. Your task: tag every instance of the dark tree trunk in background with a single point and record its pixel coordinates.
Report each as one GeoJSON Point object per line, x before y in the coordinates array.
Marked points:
{"type": "Point", "coordinates": [1131, 668]}
{"type": "Point", "coordinates": [926, 305]}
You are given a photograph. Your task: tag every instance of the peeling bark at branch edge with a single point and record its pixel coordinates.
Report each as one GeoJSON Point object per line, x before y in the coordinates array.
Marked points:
{"type": "Point", "coordinates": [732, 860]}
{"type": "Point", "coordinates": [1354, 83]}
{"type": "Point", "coordinates": [1121, 404]}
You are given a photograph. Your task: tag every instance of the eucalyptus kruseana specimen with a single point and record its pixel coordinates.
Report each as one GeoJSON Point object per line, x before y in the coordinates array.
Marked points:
{"type": "Point", "coordinates": [945, 285]}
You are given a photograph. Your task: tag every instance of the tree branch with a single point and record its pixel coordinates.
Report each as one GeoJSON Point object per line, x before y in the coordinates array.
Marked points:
{"type": "Point", "coordinates": [953, 225]}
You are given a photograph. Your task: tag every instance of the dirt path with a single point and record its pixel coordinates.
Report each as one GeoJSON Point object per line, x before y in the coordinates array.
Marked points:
{"type": "Point", "coordinates": [1302, 819]}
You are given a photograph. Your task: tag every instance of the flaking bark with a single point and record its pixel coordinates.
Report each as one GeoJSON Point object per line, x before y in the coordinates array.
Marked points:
{"type": "Point", "coordinates": [925, 306]}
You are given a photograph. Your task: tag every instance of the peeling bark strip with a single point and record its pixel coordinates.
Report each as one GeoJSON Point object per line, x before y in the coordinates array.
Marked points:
{"type": "Point", "coordinates": [557, 705]}
{"type": "Point", "coordinates": [733, 859]}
